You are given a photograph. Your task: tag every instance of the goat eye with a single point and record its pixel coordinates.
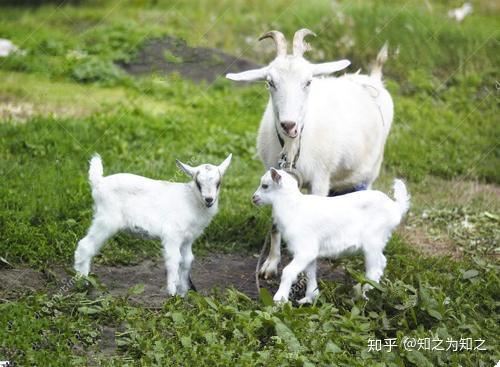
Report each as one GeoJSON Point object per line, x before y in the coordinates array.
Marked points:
{"type": "Point", "coordinates": [218, 185]}
{"type": "Point", "coordinates": [270, 84]}
{"type": "Point", "coordinates": [308, 83]}
{"type": "Point", "coordinates": [264, 186]}
{"type": "Point", "coordinates": [198, 185]}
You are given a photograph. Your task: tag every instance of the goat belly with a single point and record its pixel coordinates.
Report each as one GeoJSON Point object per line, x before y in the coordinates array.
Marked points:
{"type": "Point", "coordinates": [140, 232]}
{"type": "Point", "coordinates": [335, 249]}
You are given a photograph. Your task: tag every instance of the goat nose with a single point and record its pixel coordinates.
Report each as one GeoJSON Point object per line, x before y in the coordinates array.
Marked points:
{"type": "Point", "coordinates": [288, 125]}
{"type": "Point", "coordinates": [209, 200]}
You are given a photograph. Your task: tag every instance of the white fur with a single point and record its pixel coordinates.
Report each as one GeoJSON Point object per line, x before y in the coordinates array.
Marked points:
{"type": "Point", "coordinates": [176, 213]}
{"type": "Point", "coordinates": [315, 226]}
{"type": "Point", "coordinates": [459, 14]}
{"type": "Point", "coordinates": [345, 123]}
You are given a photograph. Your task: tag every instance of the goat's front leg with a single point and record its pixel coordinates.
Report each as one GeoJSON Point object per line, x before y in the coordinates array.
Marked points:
{"type": "Point", "coordinates": [375, 263]}
{"type": "Point", "coordinates": [290, 273]}
{"type": "Point", "coordinates": [172, 254]}
{"type": "Point", "coordinates": [270, 266]}
{"type": "Point", "coordinates": [185, 268]}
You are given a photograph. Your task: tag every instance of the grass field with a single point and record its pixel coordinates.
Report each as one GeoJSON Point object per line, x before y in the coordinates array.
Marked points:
{"type": "Point", "coordinates": [65, 97]}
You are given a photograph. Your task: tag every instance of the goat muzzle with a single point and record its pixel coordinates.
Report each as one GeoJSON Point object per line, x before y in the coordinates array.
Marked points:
{"type": "Point", "coordinates": [289, 128]}
{"type": "Point", "coordinates": [255, 199]}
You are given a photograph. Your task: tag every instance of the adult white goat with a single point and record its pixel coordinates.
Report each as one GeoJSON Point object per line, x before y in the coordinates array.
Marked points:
{"type": "Point", "coordinates": [332, 131]}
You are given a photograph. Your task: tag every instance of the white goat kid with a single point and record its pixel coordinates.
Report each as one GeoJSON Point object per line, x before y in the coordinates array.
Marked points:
{"type": "Point", "coordinates": [331, 227]}
{"type": "Point", "coordinates": [339, 125]}
{"type": "Point", "coordinates": [176, 213]}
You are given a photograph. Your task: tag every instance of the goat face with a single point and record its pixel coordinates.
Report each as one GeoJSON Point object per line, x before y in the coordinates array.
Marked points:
{"type": "Point", "coordinates": [271, 184]}
{"type": "Point", "coordinates": [289, 79]}
{"type": "Point", "coordinates": [207, 179]}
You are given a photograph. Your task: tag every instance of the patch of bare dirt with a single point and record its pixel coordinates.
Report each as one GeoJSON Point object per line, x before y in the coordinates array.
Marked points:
{"type": "Point", "coordinates": [215, 272]}
{"type": "Point", "coordinates": [439, 193]}
{"type": "Point", "coordinates": [466, 191]}
{"type": "Point", "coordinates": [218, 271]}
{"type": "Point", "coordinates": [172, 55]}
{"type": "Point", "coordinates": [418, 237]}
{"type": "Point", "coordinates": [14, 281]}
{"type": "Point", "coordinates": [21, 111]}
{"type": "Point", "coordinates": [16, 111]}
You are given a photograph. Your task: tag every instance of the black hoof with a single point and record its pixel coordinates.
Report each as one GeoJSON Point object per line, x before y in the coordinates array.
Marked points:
{"type": "Point", "coordinates": [192, 287]}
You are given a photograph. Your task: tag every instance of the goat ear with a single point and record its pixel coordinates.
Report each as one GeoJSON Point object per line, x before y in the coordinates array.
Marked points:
{"type": "Point", "coordinates": [223, 166]}
{"type": "Point", "coordinates": [275, 175]}
{"type": "Point", "coordinates": [186, 168]}
{"type": "Point", "coordinates": [249, 76]}
{"type": "Point", "coordinates": [330, 67]}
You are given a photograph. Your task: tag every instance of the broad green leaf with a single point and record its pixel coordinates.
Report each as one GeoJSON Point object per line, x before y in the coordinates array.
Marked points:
{"type": "Point", "coordinates": [177, 317]}
{"type": "Point", "coordinates": [331, 347]}
{"type": "Point", "coordinates": [355, 311]}
{"type": "Point", "coordinates": [418, 359]}
{"type": "Point", "coordinates": [211, 303]}
{"type": "Point", "coordinates": [186, 341]}
{"type": "Point", "coordinates": [266, 297]}
{"type": "Point", "coordinates": [286, 334]}
{"type": "Point", "coordinates": [136, 290]}
{"type": "Point", "coordinates": [89, 310]}
{"type": "Point", "coordinates": [435, 314]}
{"type": "Point", "coordinates": [470, 274]}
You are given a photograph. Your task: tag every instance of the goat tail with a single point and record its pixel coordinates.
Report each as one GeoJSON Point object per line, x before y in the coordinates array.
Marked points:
{"type": "Point", "coordinates": [95, 170]}
{"type": "Point", "coordinates": [382, 55]}
{"type": "Point", "coordinates": [402, 197]}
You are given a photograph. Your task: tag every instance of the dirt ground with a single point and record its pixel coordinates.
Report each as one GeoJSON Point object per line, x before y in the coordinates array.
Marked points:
{"type": "Point", "coordinates": [171, 55]}
{"type": "Point", "coordinates": [215, 273]}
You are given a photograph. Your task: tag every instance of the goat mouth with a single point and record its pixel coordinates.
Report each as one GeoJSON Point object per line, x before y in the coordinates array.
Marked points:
{"type": "Point", "coordinates": [292, 134]}
{"type": "Point", "coordinates": [209, 205]}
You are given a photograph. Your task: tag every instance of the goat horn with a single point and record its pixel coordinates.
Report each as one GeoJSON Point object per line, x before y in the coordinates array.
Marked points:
{"type": "Point", "coordinates": [279, 38]}
{"type": "Point", "coordinates": [299, 45]}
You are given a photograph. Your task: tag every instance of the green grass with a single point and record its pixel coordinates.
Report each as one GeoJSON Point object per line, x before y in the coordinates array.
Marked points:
{"type": "Point", "coordinates": [171, 58]}
{"type": "Point", "coordinates": [452, 300]}
{"type": "Point", "coordinates": [445, 86]}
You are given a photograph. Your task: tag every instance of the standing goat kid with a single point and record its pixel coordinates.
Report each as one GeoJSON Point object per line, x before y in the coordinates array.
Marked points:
{"type": "Point", "coordinates": [176, 213]}
{"type": "Point", "coordinates": [331, 227]}
{"type": "Point", "coordinates": [332, 131]}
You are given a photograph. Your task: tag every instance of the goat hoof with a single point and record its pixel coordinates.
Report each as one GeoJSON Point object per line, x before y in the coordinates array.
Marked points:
{"type": "Point", "coordinates": [309, 298]}
{"type": "Point", "coordinates": [192, 287]}
{"type": "Point", "coordinates": [269, 269]}
{"type": "Point", "coordinates": [280, 299]}
{"type": "Point", "coordinates": [171, 290]}
{"type": "Point", "coordinates": [305, 301]}
{"type": "Point", "coordinates": [268, 273]}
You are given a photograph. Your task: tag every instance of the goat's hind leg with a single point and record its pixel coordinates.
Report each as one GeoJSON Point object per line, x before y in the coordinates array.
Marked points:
{"type": "Point", "coordinates": [289, 276]}
{"type": "Point", "coordinates": [270, 266]}
{"type": "Point", "coordinates": [99, 231]}
{"type": "Point", "coordinates": [375, 263]}
{"type": "Point", "coordinates": [312, 290]}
